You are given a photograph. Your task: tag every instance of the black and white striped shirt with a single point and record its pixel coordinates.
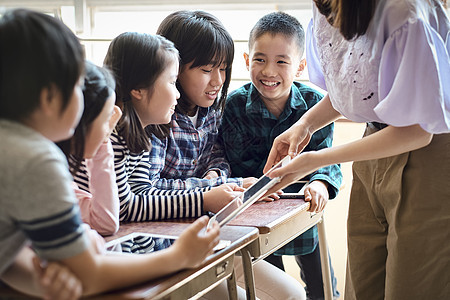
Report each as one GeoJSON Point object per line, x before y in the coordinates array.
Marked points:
{"type": "Point", "coordinates": [139, 200]}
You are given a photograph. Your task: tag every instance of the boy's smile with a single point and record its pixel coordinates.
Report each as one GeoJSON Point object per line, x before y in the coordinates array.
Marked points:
{"type": "Point", "coordinates": [274, 62]}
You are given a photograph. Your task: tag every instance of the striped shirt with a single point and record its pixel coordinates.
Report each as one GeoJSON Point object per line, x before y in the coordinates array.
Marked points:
{"type": "Point", "coordinates": [181, 160]}
{"type": "Point", "coordinates": [139, 199]}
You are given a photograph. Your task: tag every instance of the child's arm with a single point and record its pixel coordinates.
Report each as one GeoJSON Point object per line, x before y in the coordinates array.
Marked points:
{"type": "Point", "coordinates": [50, 280]}
{"type": "Point", "coordinates": [99, 273]}
{"type": "Point", "coordinates": [157, 166]}
{"type": "Point", "coordinates": [100, 207]}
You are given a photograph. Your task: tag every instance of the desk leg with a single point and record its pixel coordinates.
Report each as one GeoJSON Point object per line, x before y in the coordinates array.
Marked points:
{"type": "Point", "coordinates": [326, 274]}
{"type": "Point", "coordinates": [248, 274]}
{"type": "Point", "coordinates": [231, 284]}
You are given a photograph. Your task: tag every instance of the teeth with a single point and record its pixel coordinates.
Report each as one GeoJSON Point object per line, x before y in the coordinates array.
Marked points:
{"type": "Point", "coordinates": [211, 93]}
{"type": "Point", "coordinates": [269, 83]}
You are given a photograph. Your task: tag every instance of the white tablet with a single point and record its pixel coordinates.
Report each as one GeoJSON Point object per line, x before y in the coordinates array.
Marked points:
{"type": "Point", "coordinates": [248, 197]}
{"type": "Point", "coordinates": [141, 243]}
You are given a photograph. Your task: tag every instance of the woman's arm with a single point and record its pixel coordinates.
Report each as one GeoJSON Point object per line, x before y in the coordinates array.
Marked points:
{"type": "Point", "coordinates": [384, 143]}
{"type": "Point", "coordinates": [294, 140]}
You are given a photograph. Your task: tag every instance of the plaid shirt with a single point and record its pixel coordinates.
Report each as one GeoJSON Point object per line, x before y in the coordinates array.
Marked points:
{"type": "Point", "coordinates": [181, 160]}
{"type": "Point", "coordinates": [246, 137]}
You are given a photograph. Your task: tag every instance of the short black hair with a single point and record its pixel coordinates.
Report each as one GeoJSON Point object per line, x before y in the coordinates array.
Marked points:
{"type": "Point", "coordinates": [202, 40]}
{"type": "Point", "coordinates": [37, 51]}
{"type": "Point", "coordinates": [279, 23]}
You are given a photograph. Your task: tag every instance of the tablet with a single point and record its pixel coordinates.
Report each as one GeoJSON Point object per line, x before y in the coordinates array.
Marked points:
{"type": "Point", "coordinates": [248, 197]}
{"type": "Point", "coordinates": [141, 243]}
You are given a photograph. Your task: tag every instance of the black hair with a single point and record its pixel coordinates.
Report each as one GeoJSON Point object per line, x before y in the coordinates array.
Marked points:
{"type": "Point", "coordinates": [279, 23]}
{"type": "Point", "coordinates": [98, 87]}
{"type": "Point", "coordinates": [37, 51]}
{"type": "Point", "coordinates": [136, 61]}
{"type": "Point", "coordinates": [351, 17]}
{"type": "Point", "coordinates": [202, 40]}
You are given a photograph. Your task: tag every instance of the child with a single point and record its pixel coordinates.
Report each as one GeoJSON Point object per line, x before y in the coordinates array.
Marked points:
{"type": "Point", "coordinates": [386, 63]}
{"type": "Point", "coordinates": [147, 94]}
{"type": "Point", "coordinates": [38, 203]}
{"type": "Point", "coordinates": [258, 111]}
{"type": "Point", "coordinates": [100, 208]}
{"type": "Point", "coordinates": [182, 158]}
{"type": "Point", "coordinates": [206, 52]}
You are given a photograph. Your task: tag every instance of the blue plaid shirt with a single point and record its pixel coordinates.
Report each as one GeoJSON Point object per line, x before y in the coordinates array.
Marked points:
{"type": "Point", "coordinates": [246, 136]}
{"type": "Point", "coordinates": [181, 160]}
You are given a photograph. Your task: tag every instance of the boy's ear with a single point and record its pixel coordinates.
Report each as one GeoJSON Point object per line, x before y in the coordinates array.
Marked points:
{"type": "Point", "coordinates": [137, 94]}
{"type": "Point", "coordinates": [301, 67]}
{"type": "Point", "coordinates": [50, 104]}
{"type": "Point", "coordinates": [247, 62]}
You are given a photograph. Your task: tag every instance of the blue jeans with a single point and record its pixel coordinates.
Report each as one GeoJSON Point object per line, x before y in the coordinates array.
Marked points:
{"type": "Point", "coordinates": [310, 273]}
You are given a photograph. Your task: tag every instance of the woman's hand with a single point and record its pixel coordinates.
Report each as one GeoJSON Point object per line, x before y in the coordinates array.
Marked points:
{"type": "Point", "coordinates": [291, 142]}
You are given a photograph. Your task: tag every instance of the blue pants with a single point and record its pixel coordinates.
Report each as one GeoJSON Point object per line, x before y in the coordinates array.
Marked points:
{"type": "Point", "coordinates": [310, 273]}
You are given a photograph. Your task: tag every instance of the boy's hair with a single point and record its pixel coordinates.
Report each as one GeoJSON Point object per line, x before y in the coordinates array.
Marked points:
{"type": "Point", "coordinates": [278, 23]}
{"type": "Point", "coordinates": [37, 51]}
{"type": "Point", "coordinates": [99, 86]}
{"type": "Point", "coordinates": [136, 61]}
{"type": "Point", "coordinates": [201, 39]}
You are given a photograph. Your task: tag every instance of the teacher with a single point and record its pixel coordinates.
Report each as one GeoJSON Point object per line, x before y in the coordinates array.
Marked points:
{"type": "Point", "coordinates": [385, 63]}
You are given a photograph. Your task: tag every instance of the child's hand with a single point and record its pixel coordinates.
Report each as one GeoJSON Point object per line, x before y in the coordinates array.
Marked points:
{"type": "Point", "coordinates": [272, 197]}
{"type": "Point", "coordinates": [219, 196]}
{"type": "Point", "coordinates": [115, 117]}
{"type": "Point", "coordinates": [211, 175]}
{"type": "Point", "coordinates": [57, 281]}
{"type": "Point", "coordinates": [194, 245]}
{"type": "Point", "coordinates": [317, 194]}
{"type": "Point", "coordinates": [246, 182]}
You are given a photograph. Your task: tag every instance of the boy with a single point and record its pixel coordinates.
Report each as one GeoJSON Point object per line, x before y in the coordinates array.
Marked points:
{"type": "Point", "coordinates": [41, 67]}
{"type": "Point", "coordinates": [259, 111]}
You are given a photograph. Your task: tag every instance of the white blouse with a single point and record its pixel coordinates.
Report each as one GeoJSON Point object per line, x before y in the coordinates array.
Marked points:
{"type": "Point", "coordinates": [398, 73]}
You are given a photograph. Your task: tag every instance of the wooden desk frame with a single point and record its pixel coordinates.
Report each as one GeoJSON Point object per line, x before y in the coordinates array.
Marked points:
{"type": "Point", "coordinates": [190, 283]}
{"type": "Point", "coordinates": [275, 235]}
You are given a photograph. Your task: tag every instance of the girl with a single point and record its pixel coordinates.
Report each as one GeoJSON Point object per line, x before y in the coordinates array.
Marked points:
{"type": "Point", "coordinates": [38, 204]}
{"type": "Point", "coordinates": [385, 63]}
{"type": "Point", "coordinates": [183, 158]}
{"type": "Point", "coordinates": [206, 52]}
{"type": "Point", "coordinates": [146, 69]}
{"type": "Point", "coordinates": [100, 207]}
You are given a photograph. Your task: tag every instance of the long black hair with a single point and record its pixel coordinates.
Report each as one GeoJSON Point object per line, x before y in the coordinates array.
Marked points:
{"type": "Point", "coordinates": [98, 87]}
{"type": "Point", "coordinates": [137, 60]}
{"type": "Point", "coordinates": [202, 40]}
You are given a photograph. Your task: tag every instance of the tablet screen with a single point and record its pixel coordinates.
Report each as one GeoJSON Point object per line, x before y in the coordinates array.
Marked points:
{"type": "Point", "coordinates": [252, 194]}
{"type": "Point", "coordinates": [140, 243]}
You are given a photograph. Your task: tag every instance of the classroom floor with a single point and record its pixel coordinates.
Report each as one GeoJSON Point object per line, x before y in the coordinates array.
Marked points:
{"type": "Point", "coordinates": [336, 211]}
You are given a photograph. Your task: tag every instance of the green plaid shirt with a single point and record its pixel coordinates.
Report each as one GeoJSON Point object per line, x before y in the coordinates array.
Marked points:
{"type": "Point", "coordinates": [246, 136]}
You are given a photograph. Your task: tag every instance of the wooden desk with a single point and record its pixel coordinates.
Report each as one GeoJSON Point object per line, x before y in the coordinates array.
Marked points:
{"type": "Point", "coordinates": [280, 222]}
{"type": "Point", "coordinates": [189, 283]}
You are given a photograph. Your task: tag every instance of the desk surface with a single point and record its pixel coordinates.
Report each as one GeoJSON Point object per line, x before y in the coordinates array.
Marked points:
{"type": "Point", "coordinates": [278, 223]}
{"type": "Point", "coordinates": [239, 237]}
{"type": "Point", "coordinates": [267, 215]}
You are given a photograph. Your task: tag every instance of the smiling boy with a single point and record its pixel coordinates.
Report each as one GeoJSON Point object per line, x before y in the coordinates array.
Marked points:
{"type": "Point", "coordinates": [259, 111]}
